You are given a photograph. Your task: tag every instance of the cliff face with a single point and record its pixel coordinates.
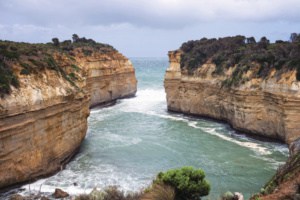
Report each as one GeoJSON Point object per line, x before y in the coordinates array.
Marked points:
{"type": "Point", "coordinates": [262, 106]}
{"type": "Point", "coordinates": [43, 122]}
{"type": "Point", "coordinates": [285, 183]}
{"type": "Point", "coordinates": [110, 76]}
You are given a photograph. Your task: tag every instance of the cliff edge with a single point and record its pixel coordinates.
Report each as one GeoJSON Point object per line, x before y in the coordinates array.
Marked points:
{"type": "Point", "coordinates": [46, 91]}
{"type": "Point", "coordinates": [254, 86]}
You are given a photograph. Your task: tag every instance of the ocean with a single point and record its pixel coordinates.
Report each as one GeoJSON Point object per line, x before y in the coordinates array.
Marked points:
{"type": "Point", "coordinates": [129, 143]}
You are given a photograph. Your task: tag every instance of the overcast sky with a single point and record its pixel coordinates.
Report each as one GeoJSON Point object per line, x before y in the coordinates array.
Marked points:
{"type": "Point", "coordinates": [147, 28]}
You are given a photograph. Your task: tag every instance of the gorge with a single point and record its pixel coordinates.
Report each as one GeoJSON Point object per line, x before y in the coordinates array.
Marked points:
{"type": "Point", "coordinates": [43, 118]}
{"type": "Point", "coordinates": [129, 143]}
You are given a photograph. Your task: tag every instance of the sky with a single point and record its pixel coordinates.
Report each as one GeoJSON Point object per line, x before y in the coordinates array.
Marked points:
{"type": "Point", "coordinates": [147, 28]}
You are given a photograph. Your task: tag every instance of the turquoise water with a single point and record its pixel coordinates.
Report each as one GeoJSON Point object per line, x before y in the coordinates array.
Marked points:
{"type": "Point", "coordinates": [129, 143]}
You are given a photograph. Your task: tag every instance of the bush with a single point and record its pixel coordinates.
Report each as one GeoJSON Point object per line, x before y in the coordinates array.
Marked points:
{"type": "Point", "coordinates": [72, 76]}
{"type": "Point", "coordinates": [227, 196]}
{"type": "Point", "coordinates": [87, 52]}
{"type": "Point", "coordinates": [160, 192]}
{"type": "Point", "coordinates": [230, 51]}
{"type": "Point", "coordinates": [113, 193]}
{"type": "Point", "coordinates": [7, 78]}
{"type": "Point", "coordinates": [110, 193]}
{"type": "Point", "coordinates": [55, 41]}
{"type": "Point", "coordinates": [11, 55]}
{"type": "Point", "coordinates": [298, 74]}
{"type": "Point", "coordinates": [25, 72]}
{"type": "Point", "coordinates": [189, 183]}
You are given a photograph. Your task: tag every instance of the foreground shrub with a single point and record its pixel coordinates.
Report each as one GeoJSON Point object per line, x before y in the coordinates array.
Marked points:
{"type": "Point", "coordinates": [110, 193]}
{"type": "Point", "coordinates": [188, 183]}
{"type": "Point", "coordinates": [159, 192]}
{"type": "Point", "coordinates": [227, 196]}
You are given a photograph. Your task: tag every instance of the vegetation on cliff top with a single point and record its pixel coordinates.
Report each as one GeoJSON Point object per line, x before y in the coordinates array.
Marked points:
{"type": "Point", "coordinates": [245, 53]}
{"type": "Point", "coordinates": [34, 58]}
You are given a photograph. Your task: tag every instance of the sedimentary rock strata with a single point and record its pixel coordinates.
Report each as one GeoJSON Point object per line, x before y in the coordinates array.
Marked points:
{"type": "Point", "coordinates": [44, 120]}
{"type": "Point", "coordinates": [267, 107]}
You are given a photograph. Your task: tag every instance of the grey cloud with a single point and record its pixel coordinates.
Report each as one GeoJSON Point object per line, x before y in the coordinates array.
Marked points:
{"type": "Point", "coordinates": [146, 27]}
{"type": "Point", "coordinates": [162, 14]}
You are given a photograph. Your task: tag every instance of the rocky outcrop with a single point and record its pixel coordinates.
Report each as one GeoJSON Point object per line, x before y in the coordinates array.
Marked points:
{"type": "Point", "coordinates": [266, 107]}
{"type": "Point", "coordinates": [44, 121]}
{"type": "Point", "coordinates": [110, 77]}
{"type": "Point", "coordinates": [285, 183]}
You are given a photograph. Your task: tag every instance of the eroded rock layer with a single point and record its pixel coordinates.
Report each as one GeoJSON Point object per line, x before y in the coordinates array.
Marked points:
{"type": "Point", "coordinates": [267, 107]}
{"type": "Point", "coordinates": [110, 76]}
{"type": "Point", "coordinates": [44, 121]}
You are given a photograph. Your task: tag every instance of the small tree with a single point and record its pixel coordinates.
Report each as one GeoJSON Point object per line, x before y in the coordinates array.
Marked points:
{"type": "Point", "coordinates": [75, 38]}
{"type": "Point", "coordinates": [263, 43]}
{"type": "Point", "coordinates": [189, 183]}
{"type": "Point", "coordinates": [251, 40]}
{"type": "Point", "coordinates": [293, 37]}
{"type": "Point", "coordinates": [55, 41]}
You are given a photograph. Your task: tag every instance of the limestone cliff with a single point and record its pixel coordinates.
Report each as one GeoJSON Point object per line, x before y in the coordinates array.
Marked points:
{"type": "Point", "coordinates": [43, 118]}
{"type": "Point", "coordinates": [110, 76]}
{"type": "Point", "coordinates": [285, 183]}
{"type": "Point", "coordinates": [266, 106]}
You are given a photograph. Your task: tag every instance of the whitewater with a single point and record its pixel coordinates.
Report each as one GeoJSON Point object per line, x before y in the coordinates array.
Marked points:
{"type": "Point", "coordinates": [128, 143]}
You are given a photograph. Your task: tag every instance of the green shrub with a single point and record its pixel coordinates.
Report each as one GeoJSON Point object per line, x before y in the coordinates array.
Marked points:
{"type": "Point", "coordinates": [39, 64]}
{"type": "Point", "coordinates": [55, 41]}
{"type": "Point", "coordinates": [298, 74]}
{"type": "Point", "coordinates": [228, 196]}
{"type": "Point", "coordinates": [72, 76]}
{"type": "Point", "coordinates": [7, 78]}
{"type": "Point", "coordinates": [25, 72]}
{"type": "Point", "coordinates": [52, 63]}
{"type": "Point", "coordinates": [11, 55]}
{"type": "Point", "coordinates": [75, 67]}
{"type": "Point", "coordinates": [87, 52]}
{"type": "Point", "coordinates": [229, 51]}
{"type": "Point", "coordinates": [189, 183]}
